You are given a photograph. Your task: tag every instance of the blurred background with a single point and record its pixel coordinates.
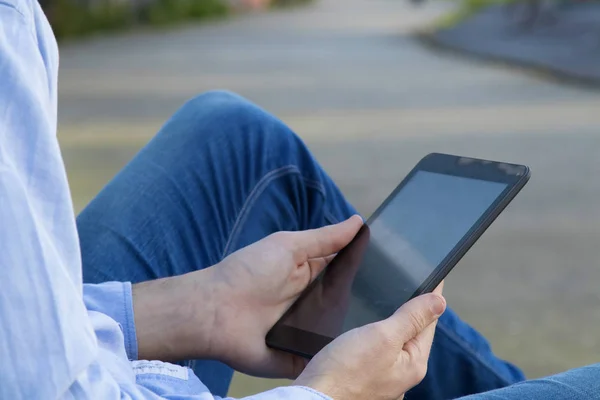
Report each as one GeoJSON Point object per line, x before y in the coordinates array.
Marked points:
{"type": "Point", "coordinates": [372, 86]}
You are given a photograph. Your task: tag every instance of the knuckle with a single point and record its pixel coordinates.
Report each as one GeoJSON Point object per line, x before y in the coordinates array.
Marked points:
{"type": "Point", "coordinates": [280, 237]}
{"type": "Point", "coordinates": [412, 348]}
{"type": "Point", "coordinates": [417, 320]}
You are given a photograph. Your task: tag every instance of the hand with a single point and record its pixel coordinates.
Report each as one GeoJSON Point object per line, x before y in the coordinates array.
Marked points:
{"type": "Point", "coordinates": [379, 361]}
{"type": "Point", "coordinates": [259, 283]}
{"type": "Point", "coordinates": [224, 312]}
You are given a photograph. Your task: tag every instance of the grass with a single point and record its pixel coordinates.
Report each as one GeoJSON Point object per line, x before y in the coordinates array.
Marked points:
{"type": "Point", "coordinates": [69, 18]}
{"type": "Point", "coordinates": [465, 10]}
{"type": "Point", "coordinates": [72, 18]}
{"type": "Point", "coordinates": [169, 12]}
{"type": "Point", "coordinates": [288, 3]}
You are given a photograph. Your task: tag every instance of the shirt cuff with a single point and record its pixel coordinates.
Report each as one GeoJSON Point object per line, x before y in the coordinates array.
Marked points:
{"type": "Point", "coordinates": [290, 393]}
{"type": "Point", "coordinates": [115, 300]}
{"type": "Point", "coordinates": [315, 393]}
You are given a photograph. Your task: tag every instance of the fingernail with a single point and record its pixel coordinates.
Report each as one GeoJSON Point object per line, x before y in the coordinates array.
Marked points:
{"type": "Point", "coordinates": [438, 305]}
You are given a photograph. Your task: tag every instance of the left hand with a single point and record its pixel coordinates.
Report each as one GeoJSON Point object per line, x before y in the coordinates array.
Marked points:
{"type": "Point", "coordinates": [257, 284]}
{"type": "Point", "coordinates": [225, 312]}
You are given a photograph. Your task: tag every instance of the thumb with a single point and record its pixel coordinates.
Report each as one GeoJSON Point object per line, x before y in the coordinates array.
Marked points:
{"type": "Point", "coordinates": [416, 315]}
{"type": "Point", "coordinates": [322, 242]}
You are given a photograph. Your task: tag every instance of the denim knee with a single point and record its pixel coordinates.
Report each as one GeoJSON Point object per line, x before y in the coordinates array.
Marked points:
{"type": "Point", "coordinates": [227, 113]}
{"type": "Point", "coordinates": [224, 121]}
{"type": "Point", "coordinates": [221, 103]}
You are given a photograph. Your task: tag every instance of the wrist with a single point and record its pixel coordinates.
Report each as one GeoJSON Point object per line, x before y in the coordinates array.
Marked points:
{"type": "Point", "coordinates": [333, 383]}
{"type": "Point", "coordinates": [321, 395]}
{"type": "Point", "coordinates": [174, 317]}
{"type": "Point", "coordinates": [320, 385]}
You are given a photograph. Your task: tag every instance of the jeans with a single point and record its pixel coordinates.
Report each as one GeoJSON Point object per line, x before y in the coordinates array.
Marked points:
{"type": "Point", "coordinates": [222, 174]}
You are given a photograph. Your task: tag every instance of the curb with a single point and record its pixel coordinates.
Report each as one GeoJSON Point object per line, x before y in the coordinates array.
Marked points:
{"type": "Point", "coordinates": [429, 39]}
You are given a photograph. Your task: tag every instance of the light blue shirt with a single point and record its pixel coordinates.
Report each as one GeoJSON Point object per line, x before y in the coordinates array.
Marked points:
{"type": "Point", "coordinates": [60, 339]}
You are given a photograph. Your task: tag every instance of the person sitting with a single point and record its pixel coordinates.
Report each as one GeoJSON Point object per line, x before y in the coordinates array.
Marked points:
{"type": "Point", "coordinates": [189, 255]}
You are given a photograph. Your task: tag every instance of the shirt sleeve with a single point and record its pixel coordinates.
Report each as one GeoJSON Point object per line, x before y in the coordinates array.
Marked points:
{"type": "Point", "coordinates": [290, 393]}
{"type": "Point", "coordinates": [53, 345]}
{"type": "Point", "coordinates": [46, 338]}
{"type": "Point", "coordinates": [114, 299]}
{"type": "Point", "coordinates": [162, 377]}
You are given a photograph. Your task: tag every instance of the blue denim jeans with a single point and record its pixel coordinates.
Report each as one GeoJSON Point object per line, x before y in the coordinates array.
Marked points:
{"type": "Point", "coordinates": [222, 174]}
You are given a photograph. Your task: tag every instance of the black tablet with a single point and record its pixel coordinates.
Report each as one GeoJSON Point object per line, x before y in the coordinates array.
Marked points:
{"type": "Point", "coordinates": [406, 248]}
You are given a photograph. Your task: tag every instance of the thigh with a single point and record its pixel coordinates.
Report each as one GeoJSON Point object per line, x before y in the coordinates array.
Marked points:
{"type": "Point", "coordinates": [220, 174]}
{"type": "Point", "coordinates": [577, 384]}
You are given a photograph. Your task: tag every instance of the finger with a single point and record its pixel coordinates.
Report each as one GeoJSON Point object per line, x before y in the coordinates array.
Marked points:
{"type": "Point", "coordinates": [324, 241]}
{"type": "Point", "coordinates": [419, 347]}
{"type": "Point", "coordinates": [423, 341]}
{"type": "Point", "coordinates": [416, 315]}
{"type": "Point", "coordinates": [349, 260]}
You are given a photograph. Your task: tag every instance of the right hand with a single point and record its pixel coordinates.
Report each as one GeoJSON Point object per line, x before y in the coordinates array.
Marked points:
{"type": "Point", "coordinates": [379, 361]}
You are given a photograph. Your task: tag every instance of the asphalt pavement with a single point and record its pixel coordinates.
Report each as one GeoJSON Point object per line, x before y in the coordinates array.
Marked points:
{"type": "Point", "coordinates": [562, 41]}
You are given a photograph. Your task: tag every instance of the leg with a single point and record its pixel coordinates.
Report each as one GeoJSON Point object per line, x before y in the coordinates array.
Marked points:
{"type": "Point", "coordinates": [577, 384]}
{"type": "Point", "coordinates": [222, 174]}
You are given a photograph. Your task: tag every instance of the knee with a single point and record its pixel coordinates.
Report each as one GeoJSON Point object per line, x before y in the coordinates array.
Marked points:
{"type": "Point", "coordinates": [229, 118]}
{"type": "Point", "coordinates": [221, 108]}
{"type": "Point", "coordinates": [219, 101]}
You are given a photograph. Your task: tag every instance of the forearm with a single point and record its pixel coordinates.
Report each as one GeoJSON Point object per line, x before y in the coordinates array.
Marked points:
{"type": "Point", "coordinates": [174, 317]}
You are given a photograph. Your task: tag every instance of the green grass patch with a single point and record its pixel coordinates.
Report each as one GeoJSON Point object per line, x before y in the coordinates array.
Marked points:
{"type": "Point", "coordinates": [69, 18]}
{"type": "Point", "coordinates": [169, 12]}
{"type": "Point", "coordinates": [465, 10]}
{"type": "Point", "coordinates": [289, 3]}
{"type": "Point", "coordinates": [73, 18]}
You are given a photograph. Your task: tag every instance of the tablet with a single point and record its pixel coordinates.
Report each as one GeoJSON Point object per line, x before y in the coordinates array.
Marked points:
{"type": "Point", "coordinates": [406, 248]}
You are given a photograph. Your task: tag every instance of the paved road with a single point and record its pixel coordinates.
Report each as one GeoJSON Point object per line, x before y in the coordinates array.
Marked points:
{"type": "Point", "coordinates": [370, 102]}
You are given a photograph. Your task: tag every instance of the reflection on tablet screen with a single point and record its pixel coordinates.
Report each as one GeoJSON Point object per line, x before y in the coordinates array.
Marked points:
{"type": "Point", "coordinates": [389, 259]}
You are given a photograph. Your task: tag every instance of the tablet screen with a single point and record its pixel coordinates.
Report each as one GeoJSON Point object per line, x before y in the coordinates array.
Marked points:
{"type": "Point", "coordinates": [390, 258]}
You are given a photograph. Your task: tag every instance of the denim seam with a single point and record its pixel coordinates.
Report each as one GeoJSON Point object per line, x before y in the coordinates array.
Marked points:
{"type": "Point", "coordinates": [330, 218]}
{"type": "Point", "coordinates": [315, 185]}
{"type": "Point", "coordinates": [258, 190]}
{"type": "Point", "coordinates": [254, 194]}
{"type": "Point", "coordinates": [318, 186]}
{"type": "Point", "coordinates": [460, 342]}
